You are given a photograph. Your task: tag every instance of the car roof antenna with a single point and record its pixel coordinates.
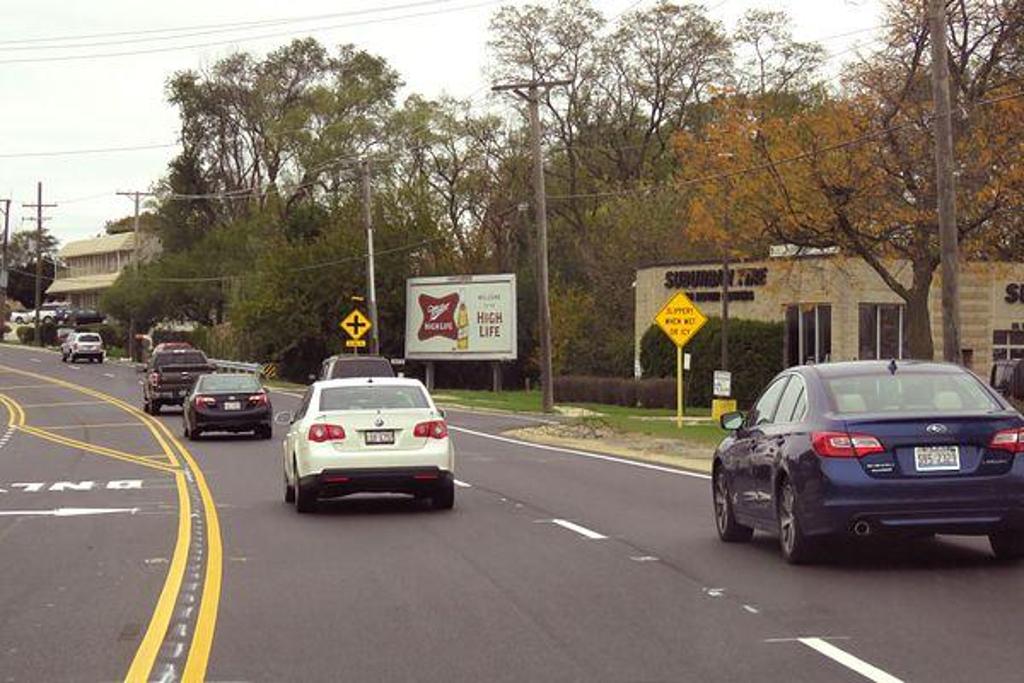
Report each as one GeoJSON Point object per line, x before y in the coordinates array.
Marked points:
{"type": "Point", "coordinates": [892, 367]}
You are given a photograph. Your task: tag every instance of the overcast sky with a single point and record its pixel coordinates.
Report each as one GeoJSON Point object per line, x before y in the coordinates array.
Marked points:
{"type": "Point", "coordinates": [118, 101]}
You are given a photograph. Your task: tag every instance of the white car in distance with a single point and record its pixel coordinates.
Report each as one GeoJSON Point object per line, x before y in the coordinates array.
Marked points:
{"type": "Point", "coordinates": [367, 435]}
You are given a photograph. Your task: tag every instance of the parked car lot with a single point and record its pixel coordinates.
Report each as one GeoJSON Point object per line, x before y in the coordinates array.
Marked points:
{"type": "Point", "coordinates": [381, 435]}
{"type": "Point", "coordinates": [227, 403]}
{"type": "Point", "coordinates": [872, 448]}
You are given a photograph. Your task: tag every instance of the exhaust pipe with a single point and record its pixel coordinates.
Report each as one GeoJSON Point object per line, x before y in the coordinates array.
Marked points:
{"type": "Point", "coordinates": [861, 528]}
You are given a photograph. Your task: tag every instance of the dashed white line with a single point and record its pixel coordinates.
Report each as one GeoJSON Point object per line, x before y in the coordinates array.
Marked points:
{"type": "Point", "coordinates": [463, 485]}
{"type": "Point", "coordinates": [581, 530]}
{"type": "Point", "coordinates": [584, 454]}
{"type": "Point", "coordinates": [35, 360]}
{"type": "Point", "coordinates": [108, 374]}
{"type": "Point", "coordinates": [751, 609]}
{"type": "Point", "coordinates": [868, 671]}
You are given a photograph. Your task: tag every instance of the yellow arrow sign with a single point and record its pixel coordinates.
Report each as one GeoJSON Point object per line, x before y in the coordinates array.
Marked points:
{"type": "Point", "coordinates": [356, 325]}
{"type": "Point", "coordinates": [680, 319]}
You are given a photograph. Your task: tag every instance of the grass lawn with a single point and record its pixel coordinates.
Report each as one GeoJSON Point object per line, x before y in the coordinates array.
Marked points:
{"type": "Point", "coordinates": [654, 422]}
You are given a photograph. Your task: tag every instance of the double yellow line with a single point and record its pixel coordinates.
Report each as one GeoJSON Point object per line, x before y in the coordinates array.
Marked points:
{"type": "Point", "coordinates": [202, 639]}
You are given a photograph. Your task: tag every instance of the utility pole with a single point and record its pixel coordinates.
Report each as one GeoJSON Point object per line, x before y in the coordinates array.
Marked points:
{"type": "Point", "coordinates": [944, 184]}
{"type": "Point", "coordinates": [3, 265]}
{"type": "Point", "coordinates": [137, 197]}
{"type": "Point", "coordinates": [39, 206]}
{"type": "Point", "coordinates": [530, 91]}
{"type": "Point", "coordinates": [725, 310]}
{"type": "Point", "coordinates": [371, 278]}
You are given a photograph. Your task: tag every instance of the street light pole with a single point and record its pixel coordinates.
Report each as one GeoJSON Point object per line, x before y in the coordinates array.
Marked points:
{"type": "Point", "coordinates": [3, 267]}
{"type": "Point", "coordinates": [530, 91]}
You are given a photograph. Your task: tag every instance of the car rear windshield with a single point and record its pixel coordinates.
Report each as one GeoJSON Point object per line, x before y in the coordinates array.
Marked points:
{"type": "Point", "coordinates": [372, 398]}
{"type": "Point", "coordinates": [184, 358]}
{"type": "Point", "coordinates": [88, 338]}
{"type": "Point", "coordinates": [369, 367]}
{"type": "Point", "coordinates": [228, 383]}
{"type": "Point", "coordinates": [909, 392]}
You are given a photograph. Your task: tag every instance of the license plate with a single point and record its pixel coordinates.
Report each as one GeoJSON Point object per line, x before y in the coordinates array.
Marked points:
{"type": "Point", "coordinates": [232, 405]}
{"type": "Point", "coordinates": [379, 438]}
{"type": "Point", "coordinates": [937, 458]}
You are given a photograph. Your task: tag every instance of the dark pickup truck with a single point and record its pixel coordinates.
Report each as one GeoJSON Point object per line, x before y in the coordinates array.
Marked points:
{"type": "Point", "coordinates": [170, 376]}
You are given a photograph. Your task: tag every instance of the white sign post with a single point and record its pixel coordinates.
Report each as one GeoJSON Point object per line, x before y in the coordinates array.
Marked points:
{"type": "Point", "coordinates": [722, 383]}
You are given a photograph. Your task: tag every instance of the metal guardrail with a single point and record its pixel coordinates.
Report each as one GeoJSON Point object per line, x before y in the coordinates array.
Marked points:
{"type": "Point", "coordinates": [235, 366]}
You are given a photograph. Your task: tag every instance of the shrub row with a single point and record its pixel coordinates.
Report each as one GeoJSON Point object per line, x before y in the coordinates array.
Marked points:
{"type": "Point", "coordinates": [755, 356]}
{"type": "Point", "coordinates": [647, 393]}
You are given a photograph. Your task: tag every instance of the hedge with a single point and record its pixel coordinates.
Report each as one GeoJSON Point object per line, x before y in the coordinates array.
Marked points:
{"type": "Point", "coordinates": [755, 356]}
{"type": "Point", "coordinates": [619, 391]}
{"type": "Point", "coordinates": [48, 331]}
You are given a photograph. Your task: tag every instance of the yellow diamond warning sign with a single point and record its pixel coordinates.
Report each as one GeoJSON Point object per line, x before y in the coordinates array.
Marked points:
{"type": "Point", "coordinates": [680, 319]}
{"type": "Point", "coordinates": [356, 324]}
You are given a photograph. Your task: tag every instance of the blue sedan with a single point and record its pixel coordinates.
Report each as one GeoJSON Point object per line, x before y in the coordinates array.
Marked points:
{"type": "Point", "coordinates": [872, 448]}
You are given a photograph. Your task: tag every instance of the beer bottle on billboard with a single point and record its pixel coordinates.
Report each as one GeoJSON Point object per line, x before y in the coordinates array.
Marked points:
{"type": "Point", "coordinates": [462, 324]}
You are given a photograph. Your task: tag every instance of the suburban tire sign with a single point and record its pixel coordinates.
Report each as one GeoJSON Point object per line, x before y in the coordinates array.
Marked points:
{"type": "Point", "coordinates": [462, 317]}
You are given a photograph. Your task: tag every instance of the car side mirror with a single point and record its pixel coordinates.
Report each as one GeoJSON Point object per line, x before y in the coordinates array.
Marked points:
{"type": "Point", "coordinates": [731, 421]}
{"type": "Point", "coordinates": [285, 417]}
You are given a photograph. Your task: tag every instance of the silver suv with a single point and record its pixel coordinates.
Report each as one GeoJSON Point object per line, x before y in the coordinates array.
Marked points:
{"type": "Point", "coordinates": [82, 345]}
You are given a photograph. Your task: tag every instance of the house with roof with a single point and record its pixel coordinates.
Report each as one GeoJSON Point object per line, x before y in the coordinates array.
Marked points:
{"type": "Point", "coordinates": [88, 267]}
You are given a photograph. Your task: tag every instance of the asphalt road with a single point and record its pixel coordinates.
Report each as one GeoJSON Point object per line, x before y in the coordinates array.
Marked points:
{"type": "Point", "coordinates": [126, 553]}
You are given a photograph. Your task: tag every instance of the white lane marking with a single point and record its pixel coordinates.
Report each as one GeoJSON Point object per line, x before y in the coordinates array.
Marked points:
{"type": "Point", "coordinates": [751, 609]}
{"type": "Point", "coordinates": [108, 374]}
{"type": "Point", "coordinates": [584, 454]}
{"type": "Point", "coordinates": [35, 360]}
{"type": "Point", "coordinates": [463, 485]}
{"type": "Point", "coordinates": [74, 367]}
{"type": "Point", "coordinates": [581, 530]}
{"type": "Point", "coordinates": [868, 671]}
{"type": "Point", "coordinates": [67, 512]}
{"type": "Point", "coordinates": [714, 592]}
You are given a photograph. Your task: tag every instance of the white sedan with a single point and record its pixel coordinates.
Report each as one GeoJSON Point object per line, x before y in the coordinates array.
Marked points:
{"type": "Point", "coordinates": [380, 435]}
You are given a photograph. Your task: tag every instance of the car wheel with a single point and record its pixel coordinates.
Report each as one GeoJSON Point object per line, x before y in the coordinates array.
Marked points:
{"type": "Point", "coordinates": [154, 407]}
{"type": "Point", "coordinates": [147, 407]}
{"type": "Point", "coordinates": [796, 547]}
{"type": "Point", "coordinates": [1007, 545]}
{"type": "Point", "coordinates": [63, 358]}
{"type": "Point", "coordinates": [444, 497]}
{"type": "Point", "coordinates": [305, 496]}
{"type": "Point", "coordinates": [729, 530]}
{"type": "Point", "coordinates": [265, 432]}
{"type": "Point", "coordinates": [100, 360]}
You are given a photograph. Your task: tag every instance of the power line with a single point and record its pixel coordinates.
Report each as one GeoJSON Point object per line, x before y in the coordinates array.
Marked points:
{"type": "Point", "coordinates": [94, 150]}
{"type": "Point", "coordinates": [175, 48]}
{"type": "Point", "coordinates": [192, 31]}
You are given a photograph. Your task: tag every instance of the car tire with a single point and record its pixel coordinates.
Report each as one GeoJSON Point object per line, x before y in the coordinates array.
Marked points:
{"type": "Point", "coordinates": [63, 358]}
{"type": "Point", "coordinates": [729, 530]}
{"type": "Point", "coordinates": [305, 496]}
{"type": "Point", "coordinates": [1007, 545]}
{"type": "Point", "coordinates": [796, 547]}
{"type": "Point", "coordinates": [264, 432]}
{"type": "Point", "coordinates": [443, 498]}
{"type": "Point", "coordinates": [154, 407]}
{"type": "Point", "coordinates": [146, 407]}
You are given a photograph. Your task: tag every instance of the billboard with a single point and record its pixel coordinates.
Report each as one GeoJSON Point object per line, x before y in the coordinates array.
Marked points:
{"type": "Point", "coordinates": [461, 317]}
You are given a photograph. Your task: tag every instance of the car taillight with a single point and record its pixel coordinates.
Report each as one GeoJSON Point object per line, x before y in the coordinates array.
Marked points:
{"type": "Point", "coordinates": [435, 429]}
{"type": "Point", "coordinates": [1011, 440]}
{"type": "Point", "coordinates": [321, 432]}
{"type": "Point", "coordinates": [843, 445]}
{"type": "Point", "coordinates": [154, 378]}
{"type": "Point", "coordinates": [205, 400]}
{"type": "Point", "coordinates": [258, 399]}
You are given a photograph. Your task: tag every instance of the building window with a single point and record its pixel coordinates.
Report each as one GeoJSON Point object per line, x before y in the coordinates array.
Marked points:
{"type": "Point", "coordinates": [1007, 344]}
{"type": "Point", "coordinates": [808, 334]}
{"type": "Point", "coordinates": [882, 331]}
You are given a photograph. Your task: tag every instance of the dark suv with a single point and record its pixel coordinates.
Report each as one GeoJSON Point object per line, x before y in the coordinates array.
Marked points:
{"type": "Point", "coordinates": [344, 367]}
{"type": "Point", "coordinates": [170, 376]}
